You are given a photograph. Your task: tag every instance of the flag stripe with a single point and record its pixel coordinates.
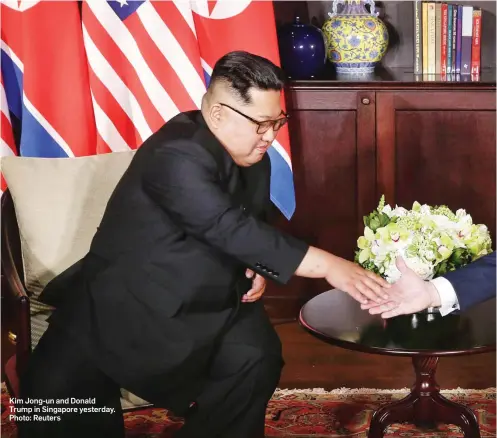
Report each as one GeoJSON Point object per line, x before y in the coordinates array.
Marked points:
{"type": "Point", "coordinates": [117, 88]}
{"type": "Point", "coordinates": [186, 12]}
{"type": "Point", "coordinates": [5, 148]}
{"type": "Point", "coordinates": [167, 40]}
{"type": "Point", "coordinates": [108, 132]}
{"type": "Point", "coordinates": [120, 121]}
{"type": "Point", "coordinates": [118, 74]}
{"type": "Point", "coordinates": [39, 138]}
{"type": "Point", "coordinates": [13, 80]}
{"type": "Point", "coordinates": [282, 189]}
{"type": "Point", "coordinates": [128, 47]}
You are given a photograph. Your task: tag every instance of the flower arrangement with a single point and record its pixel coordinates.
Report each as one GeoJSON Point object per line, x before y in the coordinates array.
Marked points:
{"type": "Point", "coordinates": [432, 240]}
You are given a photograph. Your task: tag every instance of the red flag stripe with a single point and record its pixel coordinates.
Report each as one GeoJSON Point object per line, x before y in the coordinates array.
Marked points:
{"type": "Point", "coordinates": [159, 65]}
{"type": "Point", "coordinates": [123, 68]}
{"type": "Point", "coordinates": [124, 125]}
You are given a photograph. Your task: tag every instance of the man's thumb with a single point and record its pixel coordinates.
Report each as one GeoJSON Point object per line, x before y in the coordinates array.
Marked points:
{"type": "Point", "coordinates": [249, 273]}
{"type": "Point", "coordinates": [401, 264]}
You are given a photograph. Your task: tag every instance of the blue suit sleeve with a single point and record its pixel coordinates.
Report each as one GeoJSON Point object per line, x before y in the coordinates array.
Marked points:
{"type": "Point", "coordinates": [475, 282]}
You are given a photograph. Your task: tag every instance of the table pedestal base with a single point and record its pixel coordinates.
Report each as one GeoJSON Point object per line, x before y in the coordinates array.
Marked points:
{"type": "Point", "coordinates": [424, 406]}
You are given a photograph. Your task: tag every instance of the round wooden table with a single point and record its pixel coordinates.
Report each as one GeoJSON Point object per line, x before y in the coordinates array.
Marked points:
{"type": "Point", "coordinates": [337, 319]}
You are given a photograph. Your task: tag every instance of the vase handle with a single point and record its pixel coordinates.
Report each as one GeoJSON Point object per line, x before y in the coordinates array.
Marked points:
{"type": "Point", "coordinates": [373, 7]}
{"type": "Point", "coordinates": [335, 7]}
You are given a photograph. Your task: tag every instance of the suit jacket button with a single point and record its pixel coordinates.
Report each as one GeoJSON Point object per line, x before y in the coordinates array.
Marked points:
{"type": "Point", "coordinates": [257, 265]}
{"type": "Point", "coordinates": [276, 274]}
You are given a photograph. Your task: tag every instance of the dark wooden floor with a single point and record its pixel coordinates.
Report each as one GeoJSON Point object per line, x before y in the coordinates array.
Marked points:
{"type": "Point", "coordinates": [311, 363]}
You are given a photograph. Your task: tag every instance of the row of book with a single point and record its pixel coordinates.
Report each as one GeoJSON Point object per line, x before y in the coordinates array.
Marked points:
{"type": "Point", "coordinates": [447, 38]}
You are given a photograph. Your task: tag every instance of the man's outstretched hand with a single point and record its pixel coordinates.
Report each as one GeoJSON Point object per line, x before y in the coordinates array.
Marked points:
{"type": "Point", "coordinates": [362, 285]}
{"type": "Point", "coordinates": [258, 287]}
{"type": "Point", "coordinates": [409, 294]}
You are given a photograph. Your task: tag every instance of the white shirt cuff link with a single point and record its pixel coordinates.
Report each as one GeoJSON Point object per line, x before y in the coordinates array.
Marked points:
{"type": "Point", "coordinates": [448, 297]}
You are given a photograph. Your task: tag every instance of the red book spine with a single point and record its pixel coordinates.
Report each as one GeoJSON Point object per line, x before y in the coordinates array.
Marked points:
{"type": "Point", "coordinates": [443, 53]}
{"type": "Point", "coordinates": [476, 43]}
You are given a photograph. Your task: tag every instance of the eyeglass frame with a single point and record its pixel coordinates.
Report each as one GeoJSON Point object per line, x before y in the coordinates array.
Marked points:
{"type": "Point", "coordinates": [259, 123]}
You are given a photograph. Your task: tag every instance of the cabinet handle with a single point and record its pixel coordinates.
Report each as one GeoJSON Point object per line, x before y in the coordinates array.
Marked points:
{"type": "Point", "coordinates": [365, 101]}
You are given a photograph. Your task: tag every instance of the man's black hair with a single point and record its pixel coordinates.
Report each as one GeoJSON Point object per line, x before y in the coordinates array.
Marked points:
{"type": "Point", "coordinates": [243, 71]}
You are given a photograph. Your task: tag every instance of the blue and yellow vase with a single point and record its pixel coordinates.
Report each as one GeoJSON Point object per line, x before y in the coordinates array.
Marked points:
{"type": "Point", "coordinates": [356, 39]}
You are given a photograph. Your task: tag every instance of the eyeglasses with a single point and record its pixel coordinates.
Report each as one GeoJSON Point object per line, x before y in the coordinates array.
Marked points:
{"type": "Point", "coordinates": [263, 127]}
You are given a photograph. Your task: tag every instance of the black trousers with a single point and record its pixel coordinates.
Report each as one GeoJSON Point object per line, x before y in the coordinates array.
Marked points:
{"type": "Point", "coordinates": [238, 383]}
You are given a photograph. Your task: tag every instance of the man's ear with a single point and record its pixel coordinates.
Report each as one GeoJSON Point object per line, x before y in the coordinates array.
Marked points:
{"type": "Point", "coordinates": [215, 115]}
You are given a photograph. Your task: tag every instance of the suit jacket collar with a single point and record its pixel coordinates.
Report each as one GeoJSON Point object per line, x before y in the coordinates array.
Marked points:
{"type": "Point", "coordinates": [206, 138]}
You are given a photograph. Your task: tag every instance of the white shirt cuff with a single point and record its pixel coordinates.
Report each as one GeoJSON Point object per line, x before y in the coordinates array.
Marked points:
{"type": "Point", "coordinates": [448, 297]}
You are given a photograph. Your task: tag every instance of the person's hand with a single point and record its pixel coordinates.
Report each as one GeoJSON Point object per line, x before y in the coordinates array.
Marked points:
{"type": "Point", "coordinates": [360, 284]}
{"type": "Point", "coordinates": [258, 287]}
{"type": "Point", "coordinates": [409, 294]}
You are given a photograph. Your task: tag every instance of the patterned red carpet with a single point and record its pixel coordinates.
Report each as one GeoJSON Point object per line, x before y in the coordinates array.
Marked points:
{"type": "Point", "coordinates": [312, 414]}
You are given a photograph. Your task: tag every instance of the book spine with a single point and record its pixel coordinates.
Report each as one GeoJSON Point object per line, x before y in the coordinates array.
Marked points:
{"type": "Point", "coordinates": [424, 16]}
{"type": "Point", "coordinates": [467, 39]}
{"type": "Point", "coordinates": [449, 39]}
{"type": "Point", "coordinates": [418, 39]}
{"type": "Point", "coordinates": [443, 54]}
{"type": "Point", "coordinates": [431, 39]}
{"type": "Point", "coordinates": [476, 46]}
{"type": "Point", "coordinates": [438, 36]}
{"type": "Point", "coordinates": [458, 39]}
{"type": "Point", "coordinates": [454, 37]}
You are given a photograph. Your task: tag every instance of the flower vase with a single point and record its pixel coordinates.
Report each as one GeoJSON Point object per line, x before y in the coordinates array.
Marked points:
{"type": "Point", "coordinates": [356, 39]}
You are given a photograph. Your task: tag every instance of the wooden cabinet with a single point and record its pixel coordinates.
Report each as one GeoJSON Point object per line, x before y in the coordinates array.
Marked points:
{"type": "Point", "coordinates": [438, 147]}
{"type": "Point", "coordinates": [434, 143]}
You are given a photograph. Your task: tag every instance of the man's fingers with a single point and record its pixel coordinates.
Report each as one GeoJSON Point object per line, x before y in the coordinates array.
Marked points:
{"type": "Point", "coordinates": [259, 282]}
{"type": "Point", "coordinates": [252, 297]}
{"type": "Point", "coordinates": [392, 313]}
{"type": "Point", "coordinates": [370, 304]}
{"type": "Point", "coordinates": [377, 279]}
{"type": "Point", "coordinates": [370, 289]}
{"type": "Point", "coordinates": [356, 294]}
{"type": "Point", "coordinates": [382, 308]}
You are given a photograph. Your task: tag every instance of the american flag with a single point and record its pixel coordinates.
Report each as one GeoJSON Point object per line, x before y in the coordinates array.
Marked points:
{"type": "Point", "coordinates": [144, 61]}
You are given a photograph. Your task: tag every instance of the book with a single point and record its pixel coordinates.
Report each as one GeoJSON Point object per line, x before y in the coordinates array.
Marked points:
{"type": "Point", "coordinates": [458, 39]}
{"type": "Point", "coordinates": [467, 40]}
{"type": "Point", "coordinates": [476, 46]}
{"type": "Point", "coordinates": [454, 37]}
{"type": "Point", "coordinates": [438, 36]}
{"type": "Point", "coordinates": [431, 39]}
{"type": "Point", "coordinates": [424, 17]}
{"type": "Point", "coordinates": [449, 38]}
{"type": "Point", "coordinates": [418, 38]}
{"type": "Point", "coordinates": [443, 54]}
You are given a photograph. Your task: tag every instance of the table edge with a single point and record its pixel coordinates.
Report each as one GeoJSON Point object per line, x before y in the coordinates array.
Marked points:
{"type": "Point", "coordinates": [377, 350]}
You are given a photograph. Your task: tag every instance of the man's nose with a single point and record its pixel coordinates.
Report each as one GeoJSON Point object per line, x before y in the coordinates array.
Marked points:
{"type": "Point", "coordinates": [269, 135]}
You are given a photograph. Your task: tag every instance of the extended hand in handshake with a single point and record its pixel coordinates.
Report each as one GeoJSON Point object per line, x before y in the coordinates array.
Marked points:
{"type": "Point", "coordinates": [364, 286]}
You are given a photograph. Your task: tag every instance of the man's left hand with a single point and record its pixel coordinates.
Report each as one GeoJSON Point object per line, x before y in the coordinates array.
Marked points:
{"type": "Point", "coordinates": [258, 287]}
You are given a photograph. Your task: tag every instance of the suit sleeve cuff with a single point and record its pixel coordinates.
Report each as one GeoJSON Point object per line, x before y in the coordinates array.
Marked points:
{"type": "Point", "coordinates": [448, 297]}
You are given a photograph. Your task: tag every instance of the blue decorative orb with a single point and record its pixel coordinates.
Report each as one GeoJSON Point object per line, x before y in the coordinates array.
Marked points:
{"type": "Point", "coordinates": [302, 50]}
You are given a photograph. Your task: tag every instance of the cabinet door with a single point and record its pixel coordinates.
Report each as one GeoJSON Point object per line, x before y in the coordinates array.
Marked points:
{"type": "Point", "coordinates": [333, 155]}
{"type": "Point", "coordinates": [438, 148]}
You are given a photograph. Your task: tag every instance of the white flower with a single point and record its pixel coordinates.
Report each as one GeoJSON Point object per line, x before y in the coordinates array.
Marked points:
{"type": "Point", "coordinates": [399, 211]}
{"type": "Point", "coordinates": [421, 268]}
{"type": "Point", "coordinates": [387, 210]}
